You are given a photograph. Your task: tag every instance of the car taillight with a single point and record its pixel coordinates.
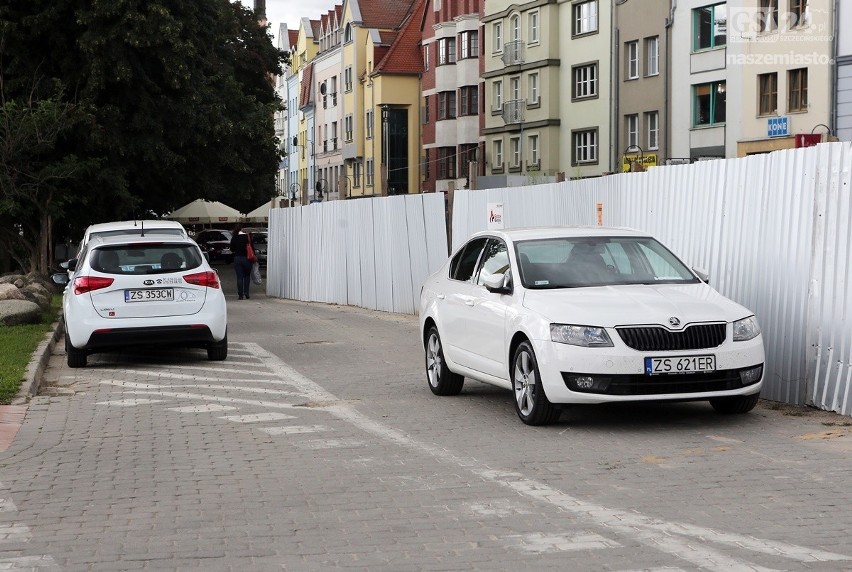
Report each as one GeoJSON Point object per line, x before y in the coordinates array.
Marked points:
{"type": "Point", "coordinates": [83, 284]}
{"type": "Point", "coordinates": [209, 279]}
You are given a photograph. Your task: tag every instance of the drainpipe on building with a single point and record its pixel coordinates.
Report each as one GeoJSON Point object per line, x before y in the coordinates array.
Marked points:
{"type": "Point", "coordinates": [832, 117]}
{"type": "Point", "coordinates": [669, 23]}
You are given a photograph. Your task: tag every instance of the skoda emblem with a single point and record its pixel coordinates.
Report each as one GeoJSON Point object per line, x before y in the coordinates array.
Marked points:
{"type": "Point", "coordinates": [148, 283]}
{"type": "Point", "coordinates": [675, 323]}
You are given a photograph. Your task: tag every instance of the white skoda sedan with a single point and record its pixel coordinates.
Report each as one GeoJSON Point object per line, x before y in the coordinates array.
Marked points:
{"type": "Point", "coordinates": [128, 291]}
{"type": "Point", "coordinates": [576, 315]}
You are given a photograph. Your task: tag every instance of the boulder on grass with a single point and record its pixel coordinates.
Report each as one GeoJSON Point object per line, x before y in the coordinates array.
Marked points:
{"type": "Point", "coordinates": [11, 292]}
{"type": "Point", "coordinates": [14, 312]}
{"type": "Point", "coordinates": [38, 294]}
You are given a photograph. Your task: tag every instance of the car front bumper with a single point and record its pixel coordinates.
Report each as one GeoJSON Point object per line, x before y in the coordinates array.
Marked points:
{"type": "Point", "coordinates": [617, 373]}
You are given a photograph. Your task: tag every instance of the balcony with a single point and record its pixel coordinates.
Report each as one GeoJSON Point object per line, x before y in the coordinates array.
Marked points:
{"type": "Point", "coordinates": [513, 111]}
{"type": "Point", "coordinates": [513, 53]}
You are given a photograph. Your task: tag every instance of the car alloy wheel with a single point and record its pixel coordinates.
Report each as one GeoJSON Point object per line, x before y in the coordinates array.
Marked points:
{"type": "Point", "coordinates": [531, 403]}
{"type": "Point", "coordinates": [441, 380]}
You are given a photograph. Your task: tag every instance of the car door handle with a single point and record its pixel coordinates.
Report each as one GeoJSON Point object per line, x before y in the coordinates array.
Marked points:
{"type": "Point", "coordinates": [440, 296]}
{"type": "Point", "coordinates": [470, 302]}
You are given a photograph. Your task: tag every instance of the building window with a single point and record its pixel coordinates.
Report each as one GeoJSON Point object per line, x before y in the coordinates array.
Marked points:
{"type": "Point", "coordinates": [425, 109]}
{"type": "Point", "coordinates": [426, 56]}
{"type": "Point", "coordinates": [585, 17]}
{"type": "Point", "coordinates": [799, 13]}
{"type": "Point", "coordinates": [797, 90]}
{"type": "Point", "coordinates": [709, 27]}
{"type": "Point", "coordinates": [533, 85]}
{"type": "Point", "coordinates": [369, 173]}
{"type": "Point", "coordinates": [652, 55]}
{"type": "Point", "coordinates": [585, 146]}
{"type": "Point", "coordinates": [347, 128]}
{"type": "Point", "coordinates": [632, 54]}
{"type": "Point", "coordinates": [532, 18]}
{"type": "Point", "coordinates": [709, 104]}
{"type": "Point", "coordinates": [768, 15]}
{"type": "Point", "coordinates": [497, 36]}
{"type": "Point", "coordinates": [426, 174]}
{"type": "Point", "coordinates": [515, 151]}
{"type": "Point", "coordinates": [446, 51]}
{"type": "Point", "coordinates": [498, 96]}
{"type": "Point", "coordinates": [347, 79]}
{"type": "Point", "coordinates": [515, 89]}
{"type": "Point", "coordinates": [469, 44]}
{"type": "Point", "coordinates": [652, 125]}
{"type": "Point", "coordinates": [368, 125]}
{"type": "Point", "coordinates": [533, 151]}
{"type": "Point", "coordinates": [585, 81]}
{"type": "Point", "coordinates": [446, 163]}
{"type": "Point", "coordinates": [497, 155]}
{"type": "Point", "coordinates": [446, 105]}
{"type": "Point", "coordinates": [469, 104]}
{"type": "Point", "coordinates": [347, 33]}
{"type": "Point", "coordinates": [467, 153]}
{"type": "Point", "coordinates": [767, 89]}
{"type": "Point", "coordinates": [515, 22]}
{"type": "Point", "coordinates": [356, 174]}
{"type": "Point", "coordinates": [631, 124]}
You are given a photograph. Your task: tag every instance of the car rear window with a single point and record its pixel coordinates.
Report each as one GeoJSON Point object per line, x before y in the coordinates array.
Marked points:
{"type": "Point", "coordinates": [145, 258]}
{"type": "Point", "coordinates": [257, 238]}
{"type": "Point", "coordinates": [138, 232]}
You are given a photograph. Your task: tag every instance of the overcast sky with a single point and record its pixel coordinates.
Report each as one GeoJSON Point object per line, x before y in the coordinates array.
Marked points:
{"type": "Point", "coordinates": [290, 12]}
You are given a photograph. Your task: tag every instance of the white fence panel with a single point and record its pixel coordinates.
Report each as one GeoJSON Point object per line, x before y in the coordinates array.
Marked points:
{"type": "Point", "coordinates": [373, 253]}
{"type": "Point", "coordinates": [772, 230]}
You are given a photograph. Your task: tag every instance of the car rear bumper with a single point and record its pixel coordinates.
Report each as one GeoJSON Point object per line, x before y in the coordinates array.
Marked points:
{"type": "Point", "coordinates": [189, 335]}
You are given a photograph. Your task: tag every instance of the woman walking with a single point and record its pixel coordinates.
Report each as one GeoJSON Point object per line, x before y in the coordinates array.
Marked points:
{"type": "Point", "coordinates": [239, 243]}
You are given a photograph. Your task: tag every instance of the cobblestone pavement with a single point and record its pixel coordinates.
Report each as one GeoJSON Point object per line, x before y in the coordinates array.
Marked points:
{"type": "Point", "coordinates": [317, 445]}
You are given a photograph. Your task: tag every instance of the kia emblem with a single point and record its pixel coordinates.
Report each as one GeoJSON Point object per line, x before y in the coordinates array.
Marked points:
{"type": "Point", "coordinates": [675, 323]}
{"type": "Point", "coordinates": [148, 283]}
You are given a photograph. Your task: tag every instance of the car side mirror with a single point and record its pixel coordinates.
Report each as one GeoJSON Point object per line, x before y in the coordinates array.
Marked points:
{"type": "Point", "coordinates": [64, 265]}
{"type": "Point", "coordinates": [72, 264]}
{"type": "Point", "coordinates": [499, 283]}
{"type": "Point", "coordinates": [60, 278]}
{"type": "Point", "coordinates": [702, 275]}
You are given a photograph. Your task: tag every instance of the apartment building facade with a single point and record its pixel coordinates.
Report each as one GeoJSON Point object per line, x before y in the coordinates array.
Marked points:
{"type": "Point", "coordinates": [642, 73]}
{"type": "Point", "coordinates": [843, 73]}
{"type": "Point", "coordinates": [328, 75]}
{"type": "Point", "coordinates": [523, 88]}
{"type": "Point", "coordinates": [451, 87]}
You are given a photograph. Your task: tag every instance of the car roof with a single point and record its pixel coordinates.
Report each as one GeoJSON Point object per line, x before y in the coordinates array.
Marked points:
{"type": "Point", "coordinates": [118, 240]}
{"type": "Point", "coordinates": [132, 225]}
{"type": "Point", "coordinates": [543, 232]}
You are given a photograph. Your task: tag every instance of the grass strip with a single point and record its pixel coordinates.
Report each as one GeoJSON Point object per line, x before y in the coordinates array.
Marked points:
{"type": "Point", "coordinates": [17, 344]}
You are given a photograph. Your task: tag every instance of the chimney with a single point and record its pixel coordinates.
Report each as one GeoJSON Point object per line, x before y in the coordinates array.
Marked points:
{"type": "Point", "coordinates": [260, 8]}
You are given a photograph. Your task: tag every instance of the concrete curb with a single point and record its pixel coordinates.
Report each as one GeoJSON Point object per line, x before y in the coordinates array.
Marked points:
{"type": "Point", "coordinates": [38, 363]}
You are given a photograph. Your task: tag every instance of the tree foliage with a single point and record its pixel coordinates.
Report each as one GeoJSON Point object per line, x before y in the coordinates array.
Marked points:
{"type": "Point", "coordinates": [171, 99]}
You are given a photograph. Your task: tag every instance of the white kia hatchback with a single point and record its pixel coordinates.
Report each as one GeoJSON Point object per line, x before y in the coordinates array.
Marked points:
{"type": "Point", "coordinates": [585, 315]}
{"type": "Point", "coordinates": [130, 291]}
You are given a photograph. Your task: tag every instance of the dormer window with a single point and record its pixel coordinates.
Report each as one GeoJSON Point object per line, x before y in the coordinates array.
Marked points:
{"type": "Point", "coordinates": [347, 33]}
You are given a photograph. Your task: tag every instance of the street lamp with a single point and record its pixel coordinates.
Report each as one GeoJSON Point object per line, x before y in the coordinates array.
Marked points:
{"type": "Point", "coordinates": [641, 157]}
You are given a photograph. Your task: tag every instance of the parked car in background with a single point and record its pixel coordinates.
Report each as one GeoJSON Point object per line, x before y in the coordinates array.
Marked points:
{"type": "Point", "coordinates": [129, 291]}
{"type": "Point", "coordinates": [259, 242]}
{"type": "Point", "coordinates": [217, 244]}
{"type": "Point", "coordinates": [575, 315]}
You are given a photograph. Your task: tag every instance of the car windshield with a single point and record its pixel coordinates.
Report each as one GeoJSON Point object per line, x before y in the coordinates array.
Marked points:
{"type": "Point", "coordinates": [146, 258]}
{"type": "Point", "coordinates": [573, 262]}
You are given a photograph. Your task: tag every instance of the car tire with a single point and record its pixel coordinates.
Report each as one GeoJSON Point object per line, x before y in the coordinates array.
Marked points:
{"type": "Point", "coordinates": [441, 380]}
{"type": "Point", "coordinates": [531, 404]}
{"type": "Point", "coordinates": [218, 351]}
{"type": "Point", "coordinates": [74, 357]}
{"type": "Point", "coordinates": [735, 405]}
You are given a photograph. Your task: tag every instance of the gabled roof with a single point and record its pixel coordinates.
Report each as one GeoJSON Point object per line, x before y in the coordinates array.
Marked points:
{"type": "Point", "coordinates": [387, 14]}
{"type": "Point", "coordinates": [338, 13]}
{"type": "Point", "coordinates": [315, 27]}
{"type": "Point", "coordinates": [305, 89]}
{"type": "Point", "coordinates": [294, 37]}
{"type": "Point", "coordinates": [405, 56]}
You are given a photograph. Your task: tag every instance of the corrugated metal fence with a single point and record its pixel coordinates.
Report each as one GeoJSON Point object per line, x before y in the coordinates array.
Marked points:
{"type": "Point", "coordinates": [373, 253]}
{"type": "Point", "coordinates": [774, 231]}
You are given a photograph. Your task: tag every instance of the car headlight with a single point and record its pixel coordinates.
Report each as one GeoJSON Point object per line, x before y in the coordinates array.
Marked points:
{"type": "Point", "coordinates": [746, 329]}
{"type": "Point", "coordinates": [584, 336]}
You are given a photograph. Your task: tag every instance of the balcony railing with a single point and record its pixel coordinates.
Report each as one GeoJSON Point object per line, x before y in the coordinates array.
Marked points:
{"type": "Point", "coordinates": [513, 111]}
{"type": "Point", "coordinates": [513, 53]}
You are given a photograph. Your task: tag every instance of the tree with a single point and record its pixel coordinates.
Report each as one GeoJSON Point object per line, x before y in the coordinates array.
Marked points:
{"type": "Point", "coordinates": [33, 170]}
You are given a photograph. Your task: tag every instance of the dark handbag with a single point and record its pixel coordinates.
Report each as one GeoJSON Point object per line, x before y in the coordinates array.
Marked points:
{"type": "Point", "coordinates": [249, 250]}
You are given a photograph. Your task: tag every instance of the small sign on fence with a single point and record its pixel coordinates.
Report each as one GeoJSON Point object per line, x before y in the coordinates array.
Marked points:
{"type": "Point", "coordinates": [495, 216]}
